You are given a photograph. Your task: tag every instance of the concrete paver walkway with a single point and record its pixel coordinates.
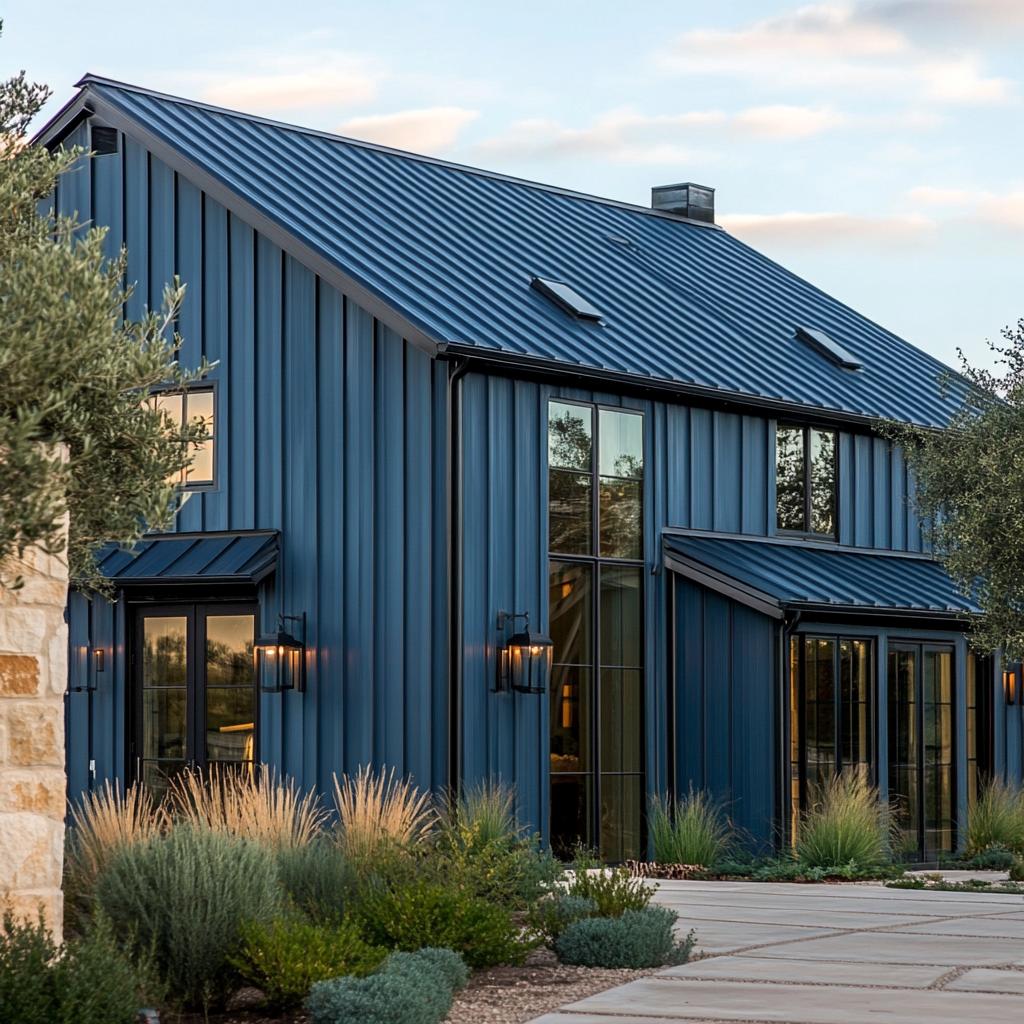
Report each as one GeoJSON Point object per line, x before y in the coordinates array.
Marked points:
{"type": "Point", "coordinates": [828, 954]}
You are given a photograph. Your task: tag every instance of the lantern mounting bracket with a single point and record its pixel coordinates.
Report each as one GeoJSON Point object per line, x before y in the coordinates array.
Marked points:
{"type": "Point", "coordinates": [524, 658]}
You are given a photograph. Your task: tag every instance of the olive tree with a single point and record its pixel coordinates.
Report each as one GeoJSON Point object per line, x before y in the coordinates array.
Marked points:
{"type": "Point", "coordinates": [970, 492]}
{"type": "Point", "coordinates": [74, 373]}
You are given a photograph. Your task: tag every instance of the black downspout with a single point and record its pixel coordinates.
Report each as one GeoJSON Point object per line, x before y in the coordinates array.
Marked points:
{"type": "Point", "coordinates": [786, 628]}
{"type": "Point", "coordinates": [453, 504]}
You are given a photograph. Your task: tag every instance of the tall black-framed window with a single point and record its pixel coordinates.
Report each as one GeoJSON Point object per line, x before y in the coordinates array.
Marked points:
{"type": "Point", "coordinates": [980, 723]}
{"type": "Point", "coordinates": [185, 407]}
{"type": "Point", "coordinates": [193, 689]}
{"type": "Point", "coordinates": [596, 607]}
{"type": "Point", "coordinates": [832, 687]}
{"type": "Point", "coordinates": [805, 480]}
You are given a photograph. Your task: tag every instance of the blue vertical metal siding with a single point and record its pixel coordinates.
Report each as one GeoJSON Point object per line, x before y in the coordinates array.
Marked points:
{"type": "Point", "coordinates": [725, 707]}
{"type": "Point", "coordinates": [331, 429]}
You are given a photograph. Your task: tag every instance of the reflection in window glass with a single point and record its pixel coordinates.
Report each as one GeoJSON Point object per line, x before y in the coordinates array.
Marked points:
{"type": "Point", "coordinates": [823, 482]}
{"type": "Point", "coordinates": [789, 477]}
{"type": "Point", "coordinates": [191, 407]}
{"type": "Point", "coordinates": [596, 696]}
{"type": "Point", "coordinates": [622, 444]}
{"type": "Point", "coordinates": [569, 436]}
{"type": "Point", "coordinates": [805, 480]}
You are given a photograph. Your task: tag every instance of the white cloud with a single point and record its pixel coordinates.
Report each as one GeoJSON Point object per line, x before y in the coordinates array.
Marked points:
{"type": "Point", "coordinates": [628, 136]}
{"type": "Point", "coordinates": [842, 47]}
{"type": "Point", "coordinates": [428, 130]}
{"type": "Point", "coordinates": [798, 228]}
{"type": "Point", "coordinates": [316, 80]}
{"type": "Point", "coordinates": [929, 195]}
{"type": "Point", "coordinates": [1004, 210]}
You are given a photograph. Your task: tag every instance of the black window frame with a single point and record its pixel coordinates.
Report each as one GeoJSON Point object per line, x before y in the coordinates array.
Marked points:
{"type": "Point", "coordinates": [800, 685]}
{"type": "Point", "coordinates": [808, 533]}
{"type": "Point", "coordinates": [204, 386]}
{"type": "Point", "coordinates": [596, 561]}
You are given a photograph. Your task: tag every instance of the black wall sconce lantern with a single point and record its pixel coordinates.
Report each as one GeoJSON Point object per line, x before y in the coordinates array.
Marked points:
{"type": "Point", "coordinates": [281, 656]}
{"type": "Point", "coordinates": [1010, 685]}
{"type": "Point", "coordinates": [90, 662]}
{"type": "Point", "coordinates": [524, 660]}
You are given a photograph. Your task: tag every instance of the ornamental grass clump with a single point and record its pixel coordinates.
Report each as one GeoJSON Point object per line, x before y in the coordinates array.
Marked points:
{"type": "Point", "coordinates": [996, 820]}
{"type": "Point", "coordinates": [183, 898]}
{"type": "Point", "coordinates": [255, 804]}
{"type": "Point", "coordinates": [319, 879]}
{"type": "Point", "coordinates": [693, 830]}
{"type": "Point", "coordinates": [378, 812]}
{"type": "Point", "coordinates": [103, 823]}
{"type": "Point", "coordinates": [636, 939]}
{"type": "Point", "coordinates": [613, 891]}
{"type": "Point", "coordinates": [847, 826]}
{"type": "Point", "coordinates": [481, 848]}
{"type": "Point", "coordinates": [410, 988]}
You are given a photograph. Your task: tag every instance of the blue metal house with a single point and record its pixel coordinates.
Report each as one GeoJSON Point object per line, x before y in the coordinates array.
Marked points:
{"type": "Point", "coordinates": [446, 400]}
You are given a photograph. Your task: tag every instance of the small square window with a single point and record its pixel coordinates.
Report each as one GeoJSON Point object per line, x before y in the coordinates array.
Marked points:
{"type": "Point", "coordinates": [185, 407]}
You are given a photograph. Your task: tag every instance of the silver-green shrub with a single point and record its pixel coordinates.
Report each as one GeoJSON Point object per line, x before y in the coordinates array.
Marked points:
{"type": "Point", "coordinates": [184, 898]}
{"type": "Point", "coordinates": [638, 938]}
{"type": "Point", "coordinates": [410, 988]}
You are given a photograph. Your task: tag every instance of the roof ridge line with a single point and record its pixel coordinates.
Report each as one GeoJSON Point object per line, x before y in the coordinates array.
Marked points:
{"type": "Point", "coordinates": [90, 79]}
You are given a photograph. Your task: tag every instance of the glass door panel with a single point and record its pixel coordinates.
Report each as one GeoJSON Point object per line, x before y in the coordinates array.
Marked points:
{"type": "Point", "coordinates": [190, 709]}
{"type": "Point", "coordinates": [164, 721]}
{"type": "Point", "coordinates": [230, 689]}
{"type": "Point", "coordinates": [921, 778]}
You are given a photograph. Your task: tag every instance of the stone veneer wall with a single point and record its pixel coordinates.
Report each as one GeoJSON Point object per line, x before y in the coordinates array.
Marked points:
{"type": "Point", "coordinates": [33, 678]}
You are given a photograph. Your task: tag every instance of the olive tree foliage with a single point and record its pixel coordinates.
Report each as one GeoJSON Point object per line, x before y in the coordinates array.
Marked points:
{"type": "Point", "coordinates": [74, 374]}
{"type": "Point", "coordinates": [970, 493]}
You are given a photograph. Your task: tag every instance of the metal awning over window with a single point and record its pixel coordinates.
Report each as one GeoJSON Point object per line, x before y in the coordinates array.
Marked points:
{"type": "Point", "coordinates": [176, 558]}
{"type": "Point", "coordinates": [773, 576]}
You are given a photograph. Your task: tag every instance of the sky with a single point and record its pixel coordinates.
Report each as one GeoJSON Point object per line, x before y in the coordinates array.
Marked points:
{"type": "Point", "coordinates": [874, 148]}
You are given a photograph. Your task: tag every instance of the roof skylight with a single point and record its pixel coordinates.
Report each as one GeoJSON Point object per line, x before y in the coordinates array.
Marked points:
{"type": "Point", "coordinates": [565, 296]}
{"type": "Point", "coordinates": [829, 348]}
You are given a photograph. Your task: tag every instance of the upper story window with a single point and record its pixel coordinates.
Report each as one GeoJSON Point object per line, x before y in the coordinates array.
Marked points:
{"type": "Point", "coordinates": [186, 407]}
{"type": "Point", "coordinates": [596, 496]}
{"type": "Point", "coordinates": [805, 480]}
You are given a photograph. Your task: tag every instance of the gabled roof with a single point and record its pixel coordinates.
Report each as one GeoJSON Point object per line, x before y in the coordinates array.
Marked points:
{"type": "Point", "coordinates": [774, 575]}
{"type": "Point", "coordinates": [452, 251]}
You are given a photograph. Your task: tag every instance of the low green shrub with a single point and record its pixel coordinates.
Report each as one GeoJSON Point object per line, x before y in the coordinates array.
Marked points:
{"type": "Point", "coordinates": [694, 830]}
{"type": "Point", "coordinates": [426, 913]}
{"type": "Point", "coordinates": [993, 858]}
{"type": "Point", "coordinates": [1017, 870]}
{"type": "Point", "coordinates": [553, 914]}
{"type": "Point", "coordinates": [848, 825]}
{"type": "Point", "coordinates": [789, 869]}
{"type": "Point", "coordinates": [410, 988]}
{"type": "Point", "coordinates": [284, 959]}
{"type": "Point", "coordinates": [613, 890]}
{"type": "Point", "coordinates": [88, 981]}
{"type": "Point", "coordinates": [185, 897]}
{"type": "Point", "coordinates": [638, 938]}
{"type": "Point", "coordinates": [320, 880]}
{"type": "Point", "coordinates": [996, 819]}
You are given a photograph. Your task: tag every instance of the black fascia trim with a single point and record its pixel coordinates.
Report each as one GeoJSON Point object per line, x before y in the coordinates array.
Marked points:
{"type": "Point", "coordinates": [514, 364]}
{"type": "Point", "coordinates": [725, 585]}
{"type": "Point", "coordinates": [861, 615]}
{"type": "Point", "coordinates": [76, 110]}
{"type": "Point", "coordinates": [286, 240]}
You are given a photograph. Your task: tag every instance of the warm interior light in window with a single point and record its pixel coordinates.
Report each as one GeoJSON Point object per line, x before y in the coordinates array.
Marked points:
{"type": "Point", "coordinates": [566, 588]}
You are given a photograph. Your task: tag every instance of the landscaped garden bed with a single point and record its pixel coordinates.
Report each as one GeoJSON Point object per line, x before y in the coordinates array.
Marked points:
{"type": "Point", "coordinates": [236, 899]}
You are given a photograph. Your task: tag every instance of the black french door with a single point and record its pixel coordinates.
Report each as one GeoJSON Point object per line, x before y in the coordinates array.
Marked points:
{"type": "Point", "coordinates": [922, 789]}
{"type": "Point", "coordinates": [193, 689]}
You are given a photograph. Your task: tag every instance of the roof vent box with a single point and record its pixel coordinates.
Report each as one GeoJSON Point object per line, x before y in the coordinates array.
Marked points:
{"type": "Point", "coordinates": [686, 200]}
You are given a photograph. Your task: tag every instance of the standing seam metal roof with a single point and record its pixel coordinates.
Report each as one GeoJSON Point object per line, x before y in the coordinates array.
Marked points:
{"type": "Point", "coordinates": [798, 575]}
{"type": "Point", "coordinates": [453, 250]}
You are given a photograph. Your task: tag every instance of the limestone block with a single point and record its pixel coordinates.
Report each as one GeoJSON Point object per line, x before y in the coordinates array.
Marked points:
{"type": "Point", "coordinates": [26, 905]}
{"type": "Point", "coordinates": [23, 628]}
{"type": "Point", "coordinates": [43, 790]}
{"type": "Point", "coordinates": [19, 675]}
{"type": "Point", "coordinates": [35, 733]}
{"type": "Point", "coordinates": [31, 850]}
